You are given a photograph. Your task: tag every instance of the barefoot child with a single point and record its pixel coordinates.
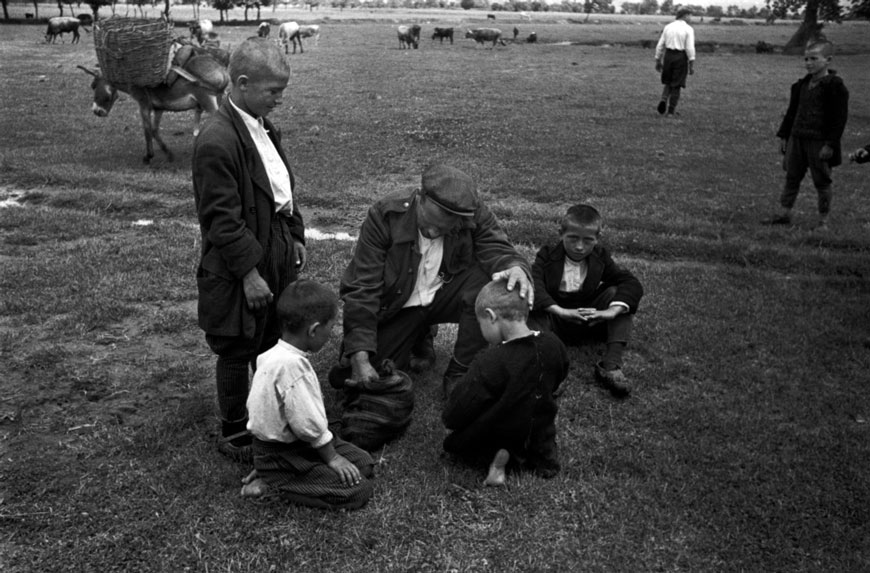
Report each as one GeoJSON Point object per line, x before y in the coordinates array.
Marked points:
{"type": "Point", "coordinates": [503, 411]}
{"type": "Point", "coordinates": [295, 454]}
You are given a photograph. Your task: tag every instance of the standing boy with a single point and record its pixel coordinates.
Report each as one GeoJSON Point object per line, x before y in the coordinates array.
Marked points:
{"type": "Point", "coordinates": [810, 132]}
{"type": "Point", "coordinates": [582, 293]}
{"type": "Point", "coordinates": [296, 456]}
{"type": "Point", "coordinates": [504, 409]}
{"type": "Point", "coordinates": [675, 59]}
{"type": "Point", "coordinates": [252, 231]}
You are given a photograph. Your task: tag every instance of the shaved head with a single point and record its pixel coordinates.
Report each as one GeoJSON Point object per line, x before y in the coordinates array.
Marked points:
{"type": "Point", "coordinates": [258, 58]}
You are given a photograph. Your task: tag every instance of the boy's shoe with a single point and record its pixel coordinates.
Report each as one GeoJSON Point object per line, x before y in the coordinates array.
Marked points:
{"type": "Point", "coordinates": [613, 380]}
{"type": "Point", "coordinates": [662, 107]}
{"type": "Point", "coordinates": [238, 447]}
{"type": "Point", "coordinates": [777, 220]}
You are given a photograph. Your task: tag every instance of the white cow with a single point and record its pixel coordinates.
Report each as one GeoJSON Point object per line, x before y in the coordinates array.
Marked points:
{"type": "Point", "coordinates": [263, 29]}
{"type": "Point", "coordinates": [201, 30]}
{"type": "Point", "coordinates": [289, 32]}
{"type": "Point", "coordinates": [311, 31]}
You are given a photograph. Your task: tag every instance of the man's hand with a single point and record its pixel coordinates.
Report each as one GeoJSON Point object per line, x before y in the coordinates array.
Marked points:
{"type": "Point", "coordinates": [517, 276]}
{"type": "Point", "coordinates": [300, 256]}
{"type": "Point", "coordinates": [658, 65]}
{"type": "Point", "coordinates": [826, 153]}
{"type": "Point", "coordinates": [348, 472]}
{"type": "Point", "coordinates": [691, 68]}
{"type": "Point", "coordinates": [257, 292]}
{"type": "Point", "coordinates": [362, 369]}
{"type": "Point", "coordinates": [783, 144]}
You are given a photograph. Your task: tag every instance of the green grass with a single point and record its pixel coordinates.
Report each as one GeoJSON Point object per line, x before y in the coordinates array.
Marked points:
{"type": "Point", "coordinates": [744, 447]}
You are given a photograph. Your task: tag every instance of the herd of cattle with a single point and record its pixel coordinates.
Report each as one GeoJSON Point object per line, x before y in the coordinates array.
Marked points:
{"type": "Point", "coordinates": [197, 79]}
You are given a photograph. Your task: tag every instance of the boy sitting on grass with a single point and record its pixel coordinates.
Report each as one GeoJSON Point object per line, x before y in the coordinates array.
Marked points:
{"type": "Point", "coordinates": [296, 456]}
{"type": "Point", "coordinates": [581, 294]}
{"type": "Point", "coordinates": [504, 409]}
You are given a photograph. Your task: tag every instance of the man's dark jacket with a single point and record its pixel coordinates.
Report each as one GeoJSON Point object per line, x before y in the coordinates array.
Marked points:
{"type": "Point", "coordinates": [383, 271]}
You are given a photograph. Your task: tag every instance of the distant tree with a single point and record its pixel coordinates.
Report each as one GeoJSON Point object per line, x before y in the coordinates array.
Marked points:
{"type": "Point", "coordinates": [732, 11]}
{"type": "Point", "coordinates": [648, 7]}
{"type": "Point", "coordinates": [630, 7]}
{"type": "Point", "coordinates": [715, 11]}
{"type": "Point", "coordinates": [861, 9]}
{"type": "Point", "coordinates": [223, 7]}
{"type": "Point", "coordinates": [666, 7]}
{"type": "Point", "coordinates": [466, 4]}
{"type": "Point", "coordinates": [96, 5]}
{"type": "Point", "coordinates": [250, 5]}
{"type": "Point", "coordinates": [814, 13]}
{"type": "Point", "coordinates": [596, 7]}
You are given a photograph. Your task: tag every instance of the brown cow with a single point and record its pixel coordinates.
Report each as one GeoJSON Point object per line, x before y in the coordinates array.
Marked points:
{"type": "Point", "coordinates": [199, 86]}
{"type": "Point", "coordinates": [60, 25]}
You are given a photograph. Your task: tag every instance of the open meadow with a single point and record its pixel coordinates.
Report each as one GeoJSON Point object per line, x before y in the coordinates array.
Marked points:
{"type": "Point", "coordinates": [744, 447]}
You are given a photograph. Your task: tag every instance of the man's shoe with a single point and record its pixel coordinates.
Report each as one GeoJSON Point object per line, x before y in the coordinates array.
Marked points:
{"type": "Point", "coordinates": [613, 380]}
{"type": "Point", "coordinates": [238, 447]}
{"type": "Point", "coordinates": [662, 107]}
{"type": "Point", "coordinates": [777, 220]}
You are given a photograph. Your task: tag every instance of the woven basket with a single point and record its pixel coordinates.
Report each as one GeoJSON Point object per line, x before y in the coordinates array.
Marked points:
{"type": "Point", "coordinates": [133, 51]}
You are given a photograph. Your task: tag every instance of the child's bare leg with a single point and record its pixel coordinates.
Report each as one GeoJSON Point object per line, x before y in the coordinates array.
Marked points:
{"type": "Point", "coordinates": [253, 486]}
{"type": "Point", "coordinates": [497, 476]}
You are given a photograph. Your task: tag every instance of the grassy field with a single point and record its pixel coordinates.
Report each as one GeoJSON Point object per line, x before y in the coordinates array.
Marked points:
{"type": "Point", "coordinates": [744, 447]}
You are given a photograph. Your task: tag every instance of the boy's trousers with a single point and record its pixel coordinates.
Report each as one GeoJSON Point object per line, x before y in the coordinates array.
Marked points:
{"type": "Point", "coordinates": [800, 155]}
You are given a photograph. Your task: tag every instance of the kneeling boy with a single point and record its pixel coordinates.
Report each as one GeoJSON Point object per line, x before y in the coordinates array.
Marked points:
{"type": "Point", "coordinates": [295, 454]}
{"type": "Point", "coordinates": [504, 409]}
{"type": "Point", "coordinates": [581, 294]}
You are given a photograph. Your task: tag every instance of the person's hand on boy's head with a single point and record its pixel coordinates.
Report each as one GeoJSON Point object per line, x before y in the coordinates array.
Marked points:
{"type": "Point", "coordinates": [517, 276]}
{"type": "Point", "coordinates": [348, 472]}
{"type": "Point", "coordinates": [257, 292]}
{"type": "Point", "coordinates": [826, 152]}
{"type": "Point", "coordinates": [300, 255]}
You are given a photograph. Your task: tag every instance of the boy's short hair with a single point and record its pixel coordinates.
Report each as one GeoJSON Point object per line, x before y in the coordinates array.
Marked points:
{"type": "Point", "coordinates": [256, 57]}
{"type": "Point", "coordinates": [505, 303]}
{"type": "Point", "coordinates": [305, 302]}
{"type": "Point", "coordinates": [826, 47]}
{"type": "Point", "coordinates": [682, 13]}
{"type": "Point", "coordinates": [580, 215]}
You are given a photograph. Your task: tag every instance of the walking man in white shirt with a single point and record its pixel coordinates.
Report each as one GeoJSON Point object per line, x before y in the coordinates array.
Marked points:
{"type": "Point", "coordinates": [675, 59]}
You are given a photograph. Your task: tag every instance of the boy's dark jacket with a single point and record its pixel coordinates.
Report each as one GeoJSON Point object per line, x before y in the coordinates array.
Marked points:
{"type": "Point", "coordinates": [235, 205]}
{"type": "Point", "coordinates": [547, 274]}
{"type": "Point", "coordinates": [835, 111]}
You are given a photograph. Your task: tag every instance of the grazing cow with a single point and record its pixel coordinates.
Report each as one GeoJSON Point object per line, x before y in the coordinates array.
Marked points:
{"type": "Point", "coordinates": [201, 30]}
{"type": "Point", "coordinates": [408, 36]}
{"type": "Point", "coordinates": [481, 35]}
{"type": "Point", "coordinates": [490, 16]}
{"type": "Point", "coordinates": [86, 19]}
{"type": "Point", "coordinates": [200, 86]}
{"type": "Point", "coordinates": [763, 47]}
{"type": "Point", "coordinates": [310, 31]}
{"type": "Point", "coordinates": [442, 33]}
{"type": "Point", "coordinates": [60, 25]}
{"type": "Point", "coordinates": [289, 32]}
{"type": "Point", "coordinates": [533, 38]}
{"type": "Point", "coordinates": [263, 29]}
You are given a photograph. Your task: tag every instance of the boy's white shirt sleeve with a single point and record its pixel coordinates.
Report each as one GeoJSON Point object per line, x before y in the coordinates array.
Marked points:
{"type": "Point", "coordinates": [303, 406]}
{"type": "Point", "coordinates": [690, 43]}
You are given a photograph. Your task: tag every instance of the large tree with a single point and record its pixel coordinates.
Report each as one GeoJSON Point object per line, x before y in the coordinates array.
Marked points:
{"type": "Point", "coordinates": [861, 9]}
{"type": "Point", "coordinates": [815, 12]}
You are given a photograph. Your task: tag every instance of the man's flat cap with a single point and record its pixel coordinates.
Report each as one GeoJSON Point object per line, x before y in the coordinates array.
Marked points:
{"type": "Point", "coordinates": [450, 189]}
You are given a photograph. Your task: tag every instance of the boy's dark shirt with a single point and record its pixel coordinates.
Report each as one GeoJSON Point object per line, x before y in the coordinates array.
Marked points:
{"type": "Point", "coordinates": [818, 114]}
{"type": "Point", "coordinates": [506, 399]}
{"type": "Point", "coordinates": [601, 270]}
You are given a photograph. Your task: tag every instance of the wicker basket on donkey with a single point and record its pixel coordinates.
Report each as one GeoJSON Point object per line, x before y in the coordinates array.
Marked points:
{"type": "Point", "coordinates": [133, 51]}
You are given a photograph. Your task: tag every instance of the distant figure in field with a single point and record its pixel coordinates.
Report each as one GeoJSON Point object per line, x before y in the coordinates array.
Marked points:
{"type": "Point", "coordinates": [860, 155]}
{"type": "Point", "coordinates": [810, 132]}
{"type": "Point", "coordinates": [296, 456]}
{"type": "Point", "coordinates": [504, 409]}
{"type": "Point", "coordinates": [675, 59]}
{"type": "Point", "coordinates": [583, 295]}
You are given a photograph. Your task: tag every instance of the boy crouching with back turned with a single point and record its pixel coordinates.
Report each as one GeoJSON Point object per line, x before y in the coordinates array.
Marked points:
{"type": "Point", "coordinates": [296, 457]}
{"type": "Point", "coordinates": [504, 409]}
{"type": "Point", "coordinates": [582, 295]}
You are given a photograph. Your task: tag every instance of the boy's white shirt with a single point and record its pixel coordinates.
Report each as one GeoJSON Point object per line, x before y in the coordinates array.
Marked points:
{"type": "Point", "coordinates": [574, 275]}
{"type": "Point", "coordinates": [428, 279]}
{"type": "Point", "coordinates": [285, 403]}
{"type": "Point", "coordinates": [276, 169]}
{"type": "Point", "coordinates": [678, 35]}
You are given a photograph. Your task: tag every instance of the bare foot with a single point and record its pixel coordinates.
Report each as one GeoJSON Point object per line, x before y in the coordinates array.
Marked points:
{"type": "Point", "coordinates": [496, 476]}
{"type": "Point", "coordinates": [255, 488]}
